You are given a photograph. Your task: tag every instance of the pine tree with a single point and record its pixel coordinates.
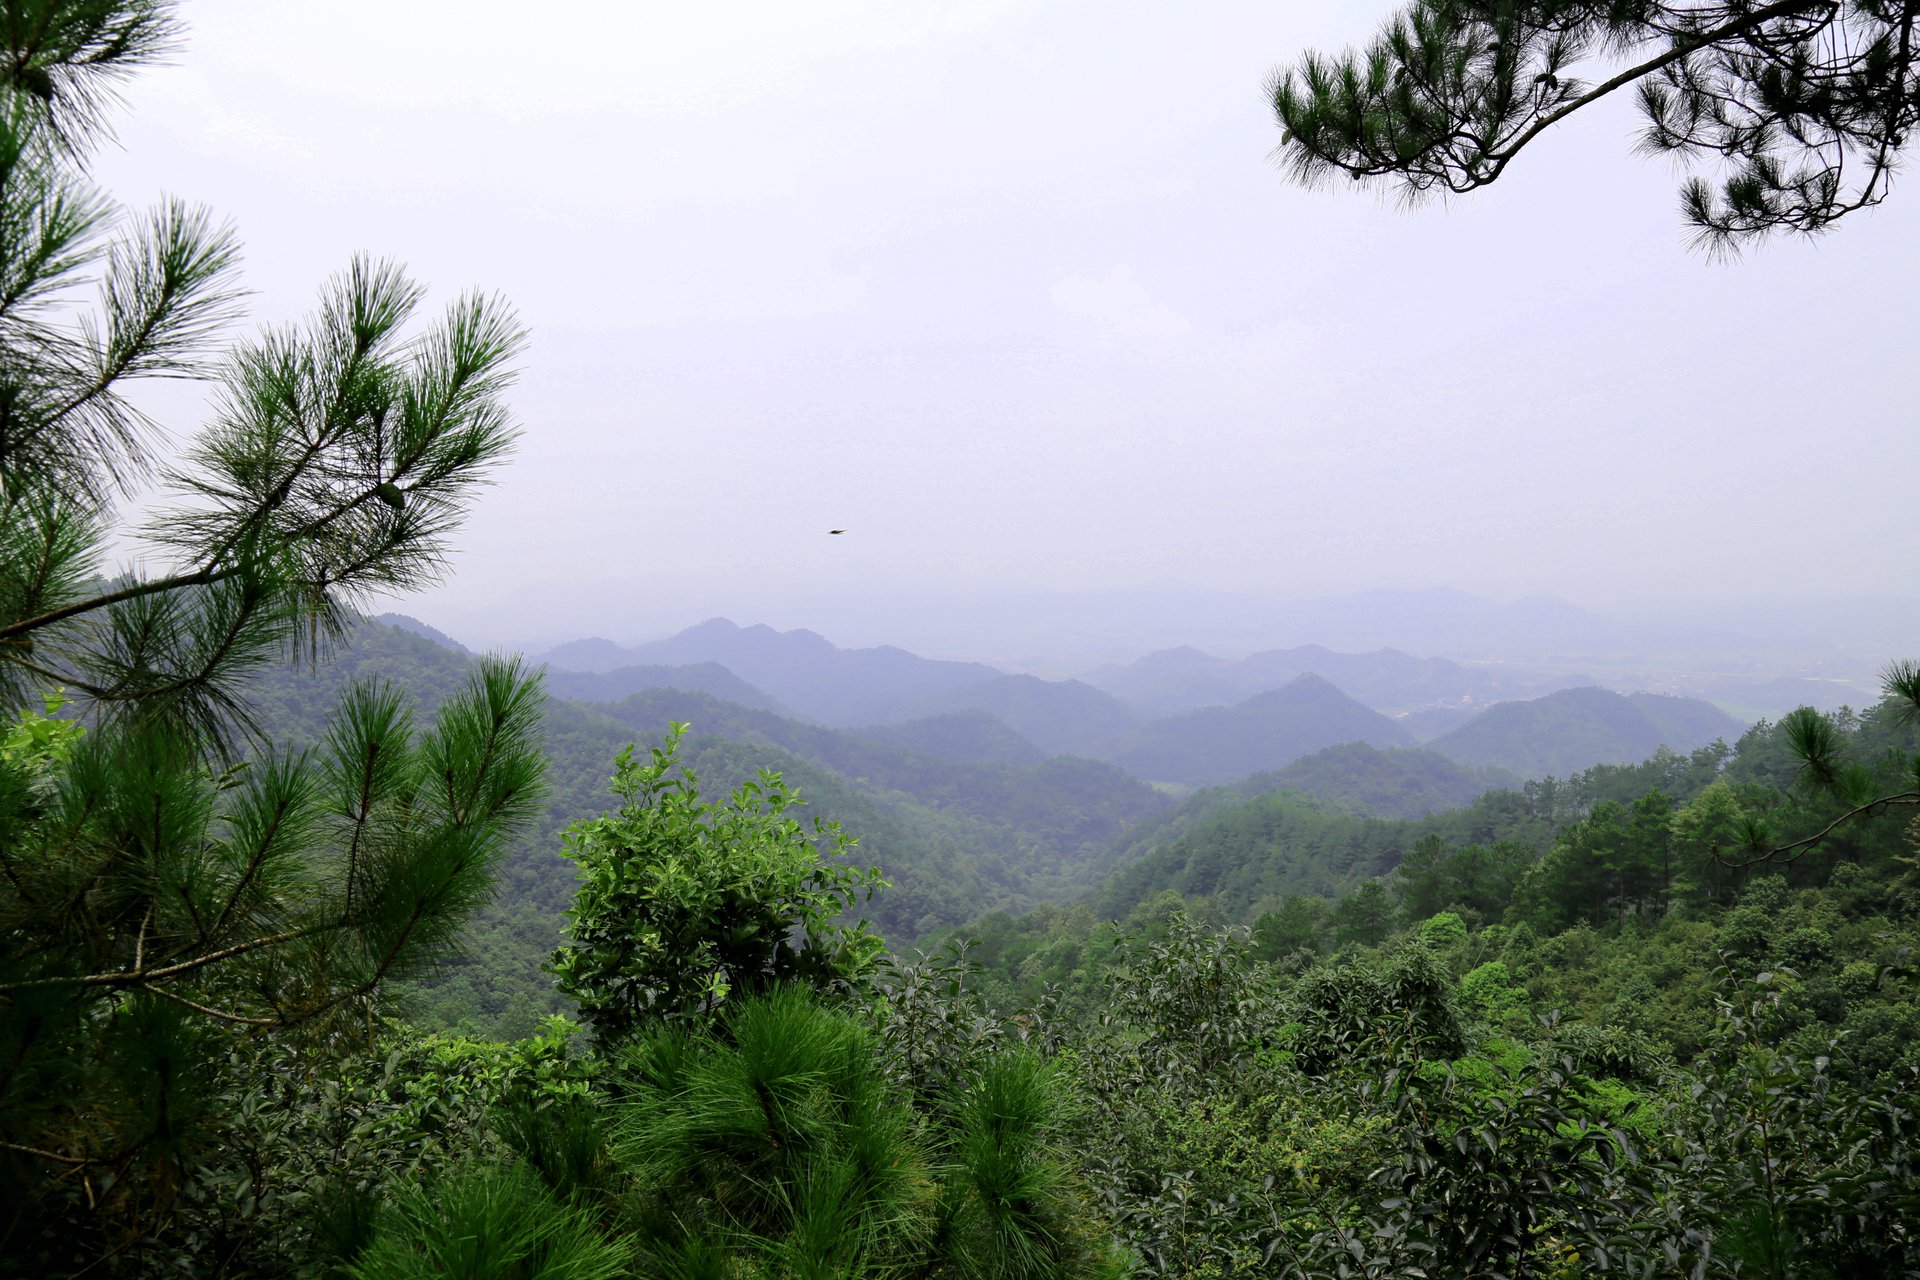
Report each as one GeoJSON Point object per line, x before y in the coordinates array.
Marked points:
{"type": "Point", "coordinates": [168, 882]}
{"type": "Point", "coordinates": [1807, 105]}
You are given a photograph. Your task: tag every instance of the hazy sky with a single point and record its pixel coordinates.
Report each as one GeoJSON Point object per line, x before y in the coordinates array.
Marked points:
{"type": "Point", "coordinates": [1014, 292]}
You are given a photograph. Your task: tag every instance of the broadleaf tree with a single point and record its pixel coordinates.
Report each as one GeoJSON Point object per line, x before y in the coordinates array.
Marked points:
{"type": "Point", "coordinates": [685, 902]}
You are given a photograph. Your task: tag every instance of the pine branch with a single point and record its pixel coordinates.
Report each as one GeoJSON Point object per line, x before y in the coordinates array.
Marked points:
{"type": "Point", "coordinates": [1683, 47]}
{"type": "Point", "coordinates": [1788, 853]}
{"type": "Point", "coordinates": [144, 977]}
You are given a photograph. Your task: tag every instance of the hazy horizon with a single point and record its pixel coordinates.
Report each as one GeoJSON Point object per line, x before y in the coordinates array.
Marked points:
{"type": "Point", "coordinates": [1015, 295]}
{"type": "Point", "coordinates": [1059, 635]}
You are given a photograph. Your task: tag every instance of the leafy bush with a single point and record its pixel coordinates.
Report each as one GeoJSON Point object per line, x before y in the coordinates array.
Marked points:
{"type": "Point", "coordinates": [682, 902]}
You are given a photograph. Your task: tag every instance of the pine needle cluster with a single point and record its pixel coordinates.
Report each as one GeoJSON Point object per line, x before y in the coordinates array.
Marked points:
{"type": "Point", "coordinates": [1805, 105]}
{"type": "Point", "coordinates": [171, 885]}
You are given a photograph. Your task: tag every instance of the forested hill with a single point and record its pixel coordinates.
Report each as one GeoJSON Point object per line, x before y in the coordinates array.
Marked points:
{"type": "Point", "coordinates": [1575, 729]}
{"type": "Point", "coordinates": [409, 623]}
{"type": "Point", "coordinates": [1651, 848]}
{"type": "Point", "coordinates": [1065, 717]}
{"type": "Point", "coordinates": [1248, 851]}
{"type": "Point", "coordinates": [620, 682]}
{"type": "Point", "coordinates": [1249, 856]}
{"type": "Point", "coordinates": [1072, 805]}
{"type": "Point", "coordinates": [954, 838]}
{"type": "Point", "coordinates": [965, 737]}
{"type": "Point", "coordinates": [1389, 783]}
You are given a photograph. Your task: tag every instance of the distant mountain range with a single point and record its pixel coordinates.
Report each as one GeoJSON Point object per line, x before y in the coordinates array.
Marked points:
{"type": "Point", "coordinates": [957, 837]}
{"type": "Point", "coordinates": [1302, 700]}
{"type": "Point", "coordinates": [801, 669]}
{"type": "Point", "coordinates": [1386, 680]}
{"type": "Point", "coordinates": [951, 777]}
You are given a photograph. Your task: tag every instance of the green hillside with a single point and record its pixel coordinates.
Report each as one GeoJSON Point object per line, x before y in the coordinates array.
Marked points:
{"type": "Point", "coordinates": [964, 737]}
{"type": "Point", "coordinates": [1576, 729]}
{"type": "Point", "coordinates": [954, 839]}
{"type": "Point", "coordinates": [1390, 783]}
{"type": "Point", "coordinates": [618, 682]}
{"type": "Point", "coordinates": [1063, 717]}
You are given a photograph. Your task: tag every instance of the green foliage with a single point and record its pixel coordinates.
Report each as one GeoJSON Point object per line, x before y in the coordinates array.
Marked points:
{"type": "Point", "coordinates": [682, 902]}
{"type": "Point", "coordinates": [169, 905]}
{"type": "Point", "coordinates": [1195, 996]}
{"type": "Point", "coordinates": [152, 911]}
{"type": "Point", "coordinates": [779, 1148]}
{"type": "Point", "coordinates": [37, 745]}
{"type": "Point", "coordinates": [1490, 993]}
{"type": "Point", "coordinates": [1443, 932]}
{"type": "Point", "coordinates": [484, 1223]}
{"type": "Point", "coordinates": [1501, 1180]}
{"type": "Point", "coordinates": [1807, 106]}
{"type": "Point", "coordinates": [1334, 1010]}
{"type": "Point", "coordinates": [1805, 1175]}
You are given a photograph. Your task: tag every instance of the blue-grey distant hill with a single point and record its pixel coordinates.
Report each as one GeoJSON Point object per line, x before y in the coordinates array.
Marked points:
{"type": "Point", "coordinates": [964, 737]}
{"type": "Point", "coordinates": [1064, 808]}
{"type": "Point", "coordinates": [1062, 717]}
{"type": "Point", "coordinates": [1575, 729]}
{"type": "Point", "coordinates": [1175, 680]}
{"type": "Point", "coordinates": [620, 682]}
{"type": "Point", "coordinates": [817, 680]}
{"type": "Point", "coordinates": [595, 653]}
{"type": "Point", "coordinates": [800, 669]}
{"type": "Point", "coordinates": [1263, 733]}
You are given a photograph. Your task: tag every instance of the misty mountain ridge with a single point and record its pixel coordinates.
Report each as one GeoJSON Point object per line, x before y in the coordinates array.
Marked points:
{"type": "Point", "coordinates": [1388, 680]}
{"type": "Point", "coordinates": [800, 669]}
{"type": "Point", "coordinates": [805, 674]}
{"type": "Point", "coordinates": [413, 626]}
{"type": "Point", "coordinates": [1262, 733]}
{"type": "Point", "coordinates": [1575, 729]}
{"type": "Point", "coordinates": [964, 737]}
{"type": "Point", "coordinates": [611, 685]}
{"type": "Point", "coordinates": [900, 698]}
{"type": "Point", "coordinates": [1063, 717]}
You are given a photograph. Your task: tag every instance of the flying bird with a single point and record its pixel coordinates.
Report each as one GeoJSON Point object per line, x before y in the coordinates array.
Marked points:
{"type": "Point", "coordinates": [836, 531]}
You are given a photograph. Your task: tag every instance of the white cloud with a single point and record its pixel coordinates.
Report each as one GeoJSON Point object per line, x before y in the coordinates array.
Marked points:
{"type": "Point", "coordinates": [1119, 306]}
